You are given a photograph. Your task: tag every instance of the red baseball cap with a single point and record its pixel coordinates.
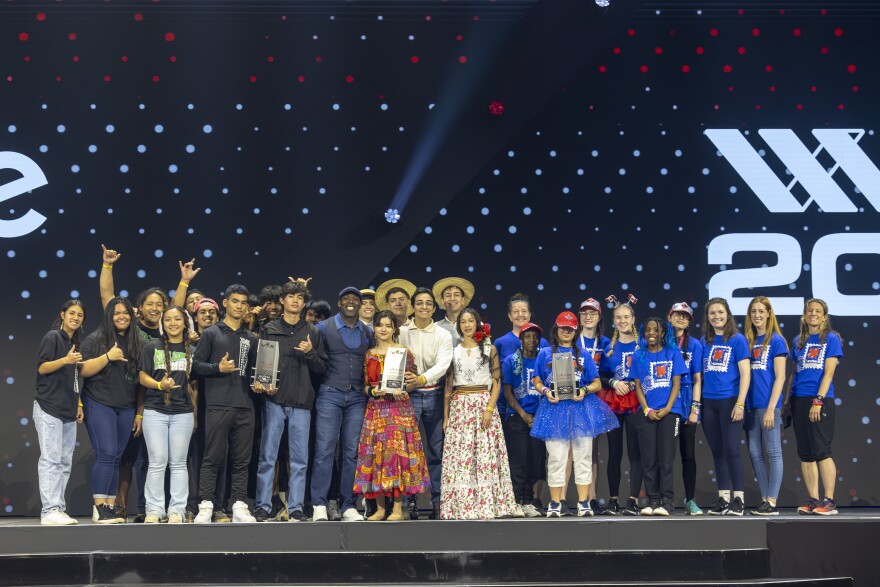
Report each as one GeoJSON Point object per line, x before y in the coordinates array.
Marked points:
{"type": "Point", "coordinates": [567, 319]}
{"type": "Point", "coordinates": [591, 304]}
{"type": "Point", "coordinates": [681, 308]}
{"type": "Point", "coordinates": [531, 326]}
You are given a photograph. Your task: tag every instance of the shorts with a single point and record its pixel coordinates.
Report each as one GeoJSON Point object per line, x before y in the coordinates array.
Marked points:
{"type": "Point", "coordinates": [813, 438]}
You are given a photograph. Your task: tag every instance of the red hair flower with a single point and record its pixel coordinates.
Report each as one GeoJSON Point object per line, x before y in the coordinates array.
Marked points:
{"type": "Point", "coordinates": [484, 332]}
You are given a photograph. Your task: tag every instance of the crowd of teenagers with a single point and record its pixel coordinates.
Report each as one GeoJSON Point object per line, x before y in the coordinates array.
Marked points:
{"type": "Point", "coordinates": [167, 393]}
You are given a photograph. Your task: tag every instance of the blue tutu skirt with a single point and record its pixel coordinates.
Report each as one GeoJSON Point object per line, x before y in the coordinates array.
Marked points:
{"type": "Point", "coordinates": [570, 419]}
{"type": "Point", "coordinates": [685, 396]}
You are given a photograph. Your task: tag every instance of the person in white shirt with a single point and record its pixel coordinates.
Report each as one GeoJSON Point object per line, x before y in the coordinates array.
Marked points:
{"type": "Point", "coordinates": [395, 295]}
{"type": "Point", "coordinates": [368, 307]}
{"type": "Point", "coordinates": [432, 348]}
{"type": "Point", "coordinates": [453, 294]}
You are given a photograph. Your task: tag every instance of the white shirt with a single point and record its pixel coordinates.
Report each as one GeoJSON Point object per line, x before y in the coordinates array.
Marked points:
{"type": "Point", "coordinates": [432, 348]}
{"type": "Point", "coordinates": [449, 327]}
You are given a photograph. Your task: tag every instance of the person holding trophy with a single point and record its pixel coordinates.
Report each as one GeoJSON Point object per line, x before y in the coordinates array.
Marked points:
{"type": "Point", "coordinates": [391, 460]}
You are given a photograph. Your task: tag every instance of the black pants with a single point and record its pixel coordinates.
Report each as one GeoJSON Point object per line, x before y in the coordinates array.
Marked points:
{"type": "Point", "coordinates": [687, 437]}
{"type": "Point", "coordinates": [194, 459]}
{"type": "Point", "coordinates": [657, 445]}
{"type": "Point", "coordinates": [615, 456]}
{"type": "Point", "coordinates": [725, 438]}
{"type": "Point", "coordinates": [227, 432]}
{"type": "Point", "coordinates": [528, 458]}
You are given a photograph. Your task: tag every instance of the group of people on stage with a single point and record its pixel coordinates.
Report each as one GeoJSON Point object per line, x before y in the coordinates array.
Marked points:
{"type": "Point", "coordinates": [378, 400]}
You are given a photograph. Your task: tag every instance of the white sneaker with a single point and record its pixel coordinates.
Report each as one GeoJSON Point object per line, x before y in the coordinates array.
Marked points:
{"type": "Point", "coordinates": [151, 519]}
{"type": "Point", "coordinates": [647, 511]}
{"type": "Point", "coordinates": [319, 513]}
{"type": "Point", "coordinates": [241, 514]}
{"type": "Point", "coordinates": [517, 512]}
{"type": "Point", "coordinates": [206, 511]}
{"type": "Point", "coordinates": [57, 518]}
{"type": "Point", "coordinates": [175, 518]}
{"type": "Point", "coordinates": [352, 515]}
{"type": "Point", "coordinates": [660, 511]}
{"type": "Point", "coordinates": [94, 513]}
{"type": "Point", "coordinates": [531, 511]}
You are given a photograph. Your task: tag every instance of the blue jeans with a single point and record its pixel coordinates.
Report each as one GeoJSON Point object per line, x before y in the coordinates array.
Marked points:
{"type": "Point", "coordinates": [57, 440]}
{"type": "Point", "coordinates": [336, 411]}
{"type": "Point", "coordinates": [109, 429]}
{"type": "Point", "coordinates": [298, 421]}
{"type": "Point", "coordinates": [760, 440]}
{"type": "Point", "coordinates": [167, 440]}
{"type": "Point", "coordinates": [428, 407]}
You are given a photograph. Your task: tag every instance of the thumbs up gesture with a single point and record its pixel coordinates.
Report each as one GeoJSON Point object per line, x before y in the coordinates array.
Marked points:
{"type": "Point", "coordinates": [226, 364]}
{"type": "Point", "coordinates": [116, 354]}
{"type": "Point", "coordinates": [306, 345]}
{"type": "Point", "coordinates": [73, 356]}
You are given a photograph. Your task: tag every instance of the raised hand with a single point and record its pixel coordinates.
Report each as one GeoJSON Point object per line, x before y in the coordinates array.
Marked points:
{"type": "Point", "coordinates": [305, 345]}
{"type": "Point", "coordinates": [110, 256]}
{"type": "Point", "coordinates": [227, 365]}
{"type": "Point", "coordinates": [116, 354]}
{"type": "Point", "coordinates": [304, 281]}
{"type": "Point", "coordinates": [187, 270]}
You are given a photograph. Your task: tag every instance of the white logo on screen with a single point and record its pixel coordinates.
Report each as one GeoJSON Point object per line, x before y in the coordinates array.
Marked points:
{"type": "Point", "coordinates": [841, 144]}
{"type": "Point", "coordinates": [32, 177]}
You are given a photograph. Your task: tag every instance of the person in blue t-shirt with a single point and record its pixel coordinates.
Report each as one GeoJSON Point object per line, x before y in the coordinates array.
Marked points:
{"type": "Point", "coordinates": [569, 425]}
{"type": "Point", "coordinates": [763, 421]}
{"type": "Point", "coordinates": [594, 343]}
{"type": "Point", "coordinates": [618, 392]}
{"type": "Point", "coordinates": [680, 317]}
{"type": "Point", "coordinates": [527, 454]}
{"type": "Point", "coordinates": [726, 376]}
{"type": "Point", "coordinates": [815, 352]}
{"type": "Point", "coordinates": [657, 372]}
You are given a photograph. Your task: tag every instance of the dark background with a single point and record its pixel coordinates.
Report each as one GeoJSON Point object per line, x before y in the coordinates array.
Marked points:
{"type": "Point", "coordinates": [597, 178]}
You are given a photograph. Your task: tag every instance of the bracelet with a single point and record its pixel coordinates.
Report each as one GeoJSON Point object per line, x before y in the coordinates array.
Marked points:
{"type": "Point", "coordinates": [106, 266]}
{"type": "Point", "coordinates": [739, 405]}
{"type": "Point", "coordinates": [139, 416]}
{"type": "Point", "coordinates": [182, 284]}
{"type": "Point", "coordinates": [817, 401]}
{"type": "Point", "coordinates": [697, 403]}
{"type": "Point", "coordinates": [107, 354]}
{"type": "Point", "coordinates": [612, 382]}
{"type": "Point", "coordinates": [424, 379]}
{"type": "Point", "coordinates": [695, 409]}
{"type": "Point", "coordinates": [648, 411]}
{"type": "Point", "coordinates": [80, 404]}
{"type": "Point", "coordinates": [159, 386]}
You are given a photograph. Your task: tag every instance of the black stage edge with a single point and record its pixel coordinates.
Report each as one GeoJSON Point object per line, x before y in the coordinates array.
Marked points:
{"type": "Point", "coordinates": [788, 550]}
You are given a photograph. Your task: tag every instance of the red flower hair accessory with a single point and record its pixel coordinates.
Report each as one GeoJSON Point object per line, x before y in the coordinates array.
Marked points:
{"type": "Point", "coordinates": [479, 335]}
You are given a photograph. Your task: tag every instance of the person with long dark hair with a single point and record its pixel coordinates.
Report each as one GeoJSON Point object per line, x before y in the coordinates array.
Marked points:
{"type": "Point", "coordinates": [108, 397]}
{"type": "Point", "coordinates": [169, 416]}
{"type": "Point", "coordinates": [57, 410]}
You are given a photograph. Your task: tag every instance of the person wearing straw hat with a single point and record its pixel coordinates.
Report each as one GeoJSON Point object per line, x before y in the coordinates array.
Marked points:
{"type": "Point", "coordinates": [452, 294]}
{"type": "Point", "coordinates": [395, 295]}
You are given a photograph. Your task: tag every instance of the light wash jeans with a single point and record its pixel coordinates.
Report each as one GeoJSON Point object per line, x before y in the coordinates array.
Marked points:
{"type": "Point", "coordinates": [298, 422]}
{"type": "Point", "coordinates": [57, 440]}
{"type": "Point", "coordinates": [761, 440]}
{"type": "Point", "coordinates": [167, 437]}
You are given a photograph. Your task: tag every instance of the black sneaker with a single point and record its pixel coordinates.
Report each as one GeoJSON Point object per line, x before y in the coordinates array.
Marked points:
{"type": "Point", "coordinates": [107, 515]}
{"type": "Point", "coordinates": [333, 513]}
{"type": "Point", "coordinates": [262, 515]}
{"type": "Point", "coordinates": [613, 507]}
{"type": "Point", "coordinates": [566, 511]}
{"type": "Point", "coordinates": [597, 508]}
{"type": "Point", "coordinates": [736, 507]}
{"type": "Point", "coordinates": [139, 519]}
{"type": "Point", "coordinates": [370, 507]}
{"type": "Point", "coordinates": [297, 516]}
{"type": "Point", "coordinates": [719, 507]}
{"type": "Point", "coordinates": [121, 514]}
{"type": "Point", "coordinates": [435, 512]}
{"type": "Point", "coordinates": [413, 508]}
{"type": "Point", "coordinates": [765, 509]}
{"type": "Point", "coordinates": [538, 505]}
{"type": "Point", "coordinates": [632, 508]}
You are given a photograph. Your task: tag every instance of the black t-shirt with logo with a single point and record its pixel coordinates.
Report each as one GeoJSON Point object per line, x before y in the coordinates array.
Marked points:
{"type": "Point", "coordinates": [112, 386]}
{"type": "Point", "coordinates": [152, 362]}
{"type": "Point", "coordinates": [57, 392]}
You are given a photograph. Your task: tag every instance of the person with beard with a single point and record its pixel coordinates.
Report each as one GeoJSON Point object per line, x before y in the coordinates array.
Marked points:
{"type": "Point", "coordinates": [368, 306]}
{"type": "Point", "coordinates": [453, 294]}
{"type": "Point", "coordinates": [225, 356]}
{"type": "Point", "coordinates": [395, 295]}
{"type": "Point", "coordinates": [340, 403]}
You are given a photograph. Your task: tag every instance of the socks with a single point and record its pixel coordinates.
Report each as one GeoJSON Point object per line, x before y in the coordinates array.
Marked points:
{"type": "Point", "coordinates": [725, 493]}
{"type": "Point", "coordinates": [741, 495]}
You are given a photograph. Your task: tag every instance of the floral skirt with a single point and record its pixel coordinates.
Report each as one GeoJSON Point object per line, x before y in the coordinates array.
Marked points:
{"type": "Point", "coordinates": [391, 460]}
{"type": "Point", "coordinates": [475, 482]}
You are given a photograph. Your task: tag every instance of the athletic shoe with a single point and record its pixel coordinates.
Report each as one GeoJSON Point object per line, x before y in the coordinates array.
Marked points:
{"type": "Point", "coordinates": [584, 509]}
{"type": "Point", "coordinates": [333, 511]}
{"type": "Point", "coordinates": [517, 512]}
{"type": "Point", "coordinates": [660, 510]}
{"type": "Point", "coordinates": [261, 515]}
{"type": "Point", "coordinates": [151, 519]}
{"type": "Point", "coordinates": [297, 516]}
{"type": "Point", "coordinates": [596, 507]}
{"type": "Point", "coordinates": [189, 517]}
{"type": "Point", "coordinates": [319, 513]}
{"type": "Point", "coordinates": [765, 509]}
{"type": "Point", "coordinates": [632, 508]}
{"type": "Point", "coordinates": [175, 518]}
{"type": "Point", "coordinates": [531, 511]}
{"type": "Point", "coordinates": [206, 511]}
{"type": "Point", "coordinates": [826, 507]}
{"type": "Point", "coordinates": [57, 518]}
{"type": "Point", "coordinates": [736, 507]}
{"type": "Point", "coordinates": [692, 509]}
{"type": "Point", "coordinates": [352, 515]}
{"type": "Point", "coordinates": [221, 517]}
{"type": "Point", "coordinates": [613, 507]}
{"type": "Point", "coordinates": [554, 510]}
{"type": "Point", "coordinates": [241, 514]}
{"type": "Point", "coordinates": [566, 511]}
{"type": "Point", "coordinates": [539, 505]}
{"type": "Point", "coordinates": [413, 508]}
{"type": "Point", "coordinates": [121, 514]}
{"type": "Point", "coordinates": [435, 512]}
{"type": "Point", "coordinates": [106, 515]}
{"type": "Point", "coordinates": [648, 510]}
{"type": "Point", "coordinates": [809, 507]}
{"type": "Point", "coordinates": [95, 514]}
{"type": "Point", "coordinates": [719, 507]}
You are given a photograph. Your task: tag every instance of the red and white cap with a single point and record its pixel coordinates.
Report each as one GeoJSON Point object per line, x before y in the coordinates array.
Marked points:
{"type": "Point", "coordinates": [567, 319]}
{"type": "Point", "coordinates": [682, 308]}
{"type": "Point", "coordinates": [531, 326]}
{"type": "Point", "coordinates": [591, 304]}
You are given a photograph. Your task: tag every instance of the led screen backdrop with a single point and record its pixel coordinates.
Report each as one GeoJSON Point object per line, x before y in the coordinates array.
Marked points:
{"type": "Point", "coordinates": [673, 152]}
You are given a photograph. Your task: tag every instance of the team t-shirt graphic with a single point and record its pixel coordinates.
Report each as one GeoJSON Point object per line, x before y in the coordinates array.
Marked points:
{"type": "Point", "coordinates": [814, 356]}
{"type": "Point", "coordinates": [760, 356]}
{"type": "Point", "coordinates": [659, 375]}
{"type": "Point", "coordinates": [626, 361]}
{"type": "Point", "coordinates": [178, 360]}
{"type": "Point", "coordinates": [718, 358]}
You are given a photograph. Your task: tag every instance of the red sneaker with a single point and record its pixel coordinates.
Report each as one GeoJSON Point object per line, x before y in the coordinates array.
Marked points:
{"type": "Point", "coordinates": [809, 508]}
{"type": "Point", "coordinates": [826, 507]}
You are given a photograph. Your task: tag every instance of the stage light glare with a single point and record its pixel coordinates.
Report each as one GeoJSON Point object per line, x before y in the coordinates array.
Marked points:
{"type": "Point", "coordinates": [603, 3]}
{"type": "Point", "coordinates": [392, 215]}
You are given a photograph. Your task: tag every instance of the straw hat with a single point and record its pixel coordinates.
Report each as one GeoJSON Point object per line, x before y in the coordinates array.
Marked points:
{"type": "Point", "coordinates": [382, 291]}
{"type": "Point", "coordinates": [466, 287]}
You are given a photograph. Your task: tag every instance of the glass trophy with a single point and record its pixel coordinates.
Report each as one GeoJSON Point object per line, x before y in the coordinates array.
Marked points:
{"type": "Point", "coordinates": [563, 376]}
{"type": "Point", "coordinates": [393, 380]}
{"type": "Point", "coordinates": [266, 369]}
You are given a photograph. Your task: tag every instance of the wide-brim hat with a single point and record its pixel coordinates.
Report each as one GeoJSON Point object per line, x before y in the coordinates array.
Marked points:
{"type": "Point", "coordinates": [466, 287]}
{"type": "Point", "coordinates": [382, 291]}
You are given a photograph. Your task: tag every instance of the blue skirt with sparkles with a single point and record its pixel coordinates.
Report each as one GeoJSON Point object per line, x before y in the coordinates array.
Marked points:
{"type": "Point", "coordinates": [570, 419]}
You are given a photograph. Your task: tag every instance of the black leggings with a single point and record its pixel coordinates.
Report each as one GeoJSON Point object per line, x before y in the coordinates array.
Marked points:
{"type": "Point", "coordinates": [615, 456]}
{"type": "Point", "coordinates": [724, 437]}
{"type": "Point", "coordinates": [687, 435]}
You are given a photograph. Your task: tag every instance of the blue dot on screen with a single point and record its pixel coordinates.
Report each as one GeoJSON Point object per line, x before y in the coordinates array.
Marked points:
{"type": "Point", "coordinates": [336, 107]}
{"type": "Point", "coordinates": [123, 168]}
{"type": "Point", "coordinates": [74, 168]}
{"type": "Point", "coordinates": [484, 211]}
{"type": "Point", "coordinates": [141, 273]}
{"type": "Point", "coordinates": [413, 248]}
{"type": "Point", "coordinates": [10, 381]}
{"type": "Point", "coordinates": [866, 420]}
{"type": "Point", "coordinates": [25, 294]}
{"type": "Point", "coordinates": [159, 253]}
{"type": "Point", "coordinates": [93, 149]}
{"type": "Point", "coordinates": [92, 273]}
{"type": "Point", "coordinates": [43, 273]}
{"type": "Point", "coordinates": [470, 230]}
{"type": "Point", "coordinates": [172, 168]}
{"type": "Point", "coordinates": [442, 211]}
{"type": "Point", "coordinates": [207, 129]}
{"type": "Point", "coordinates": [44, 149]}
{"type": "Point", "coordinates": [110, 128]}
{"type": "Point", "coordinates": [455, 248]}
{"type": "Point", "coordinates": [141, 148]}
{"type": "Point", "coordinates": [498, 248]}
{"type": "Point", "coordinates": [511, 229]}
{"type": "Point", "coordinates": [10, 254]}
{"type": "Point", "coordinates": [74, 293]}
{"type": "Point", "coordinates": [123, 293]}
{"type": "Point", "coordinates": [207, 253]}
{"type": "Point", "coordinates": [159, 129]}
{"type": "Point", "coordinates": [12, 128]}
{"type": "Point", "coordinates": [59, 253]}
{"type": "Point", "coordinates": [190, 149]}
{"type": "Point", "coordinates": [428, 230]}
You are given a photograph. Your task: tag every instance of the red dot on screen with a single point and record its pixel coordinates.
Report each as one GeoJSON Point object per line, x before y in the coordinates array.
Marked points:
{"type": "Point", "coordinates": [840, 106]}
{"type": "Point", "coordinates": [462, 59]}
{"type": "Point", "coordinates": [800, 106]}
{"type": "Point", "coordinates": [757, 106]}
{"type": "Point", "coordinates": [824, 50]}
{"type": "Point", "coordinates": [714, 32]}
{"type": "Point", "coordinates": [727, 69]}
{"type": "Point", "coordinates": [23, 37]}
{"type": "Point", "coordinates": [319, 59]}
{"type": "Point", "coordinates": [76, 58]}
{"type": "Point", "coordinates": [616, 51]}
{"type": "Point", "coordinates": [106, 78]}
{"type": "Point", "coordinates": [796, 32]}
{"type": "Point", "coordinates": [458, 37]}
{"type": "Point", "coordinates": [700, 50]}
{"type": "Point", "coordinates": [27, 58]}
{"type": "Point", "coordinates": [686, 68]}
{"type": "Point", "coordinates": [855, 88]}
{"type": "Point", "coordinates": [125, 58]}
{"type": "Point", "coordinates": [838, 32]}
{"type": "Point", "coordinates": [658, 50]}
{"type": "Point", "coordinates": [72, 36]}
{"type": "Point", "coordinates": [252, 78]}
{"type": "Point", "coordinates": [741, 50]}
{"type": "Point", "coordinates": [169, 37]}
{"type": "Point", "coordinates": [41, 16]}
{"type": "Point", "coordinates": [768, 68]}
{"type": "Point", "coordinates": [270, 59]}
{"type": "Point", "coordinates": [155, 78]}
{"type": "Point", "coordinates": [172, 59]}
{"type": "Point", "coordinates": [301, 79]}
{"type": "Point", "coordinates": [644, 69]}
{"type": "Point", "coordinates": [851, 68]}
{"type": "Point", "coordinates": [812, 88]}
{"type": "Point", "coordinates": [631, 32]}
{"type": "Point", "coordinates": [756, 32]}
{"type": "Point", "coordinates": [602, 69]}
{"type": "Point", "coordinates": [349, 78]}
{"type": "Point", "coordinates": [414, 59]}
{"type": "Point", "coordinates": [138, 16]}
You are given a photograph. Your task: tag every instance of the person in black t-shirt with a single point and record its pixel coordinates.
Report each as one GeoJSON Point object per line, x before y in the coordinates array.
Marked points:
{"type": "Point", "coordinates": [108, 397]}
{"type": "Point", "coordinates": [57, 410]}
